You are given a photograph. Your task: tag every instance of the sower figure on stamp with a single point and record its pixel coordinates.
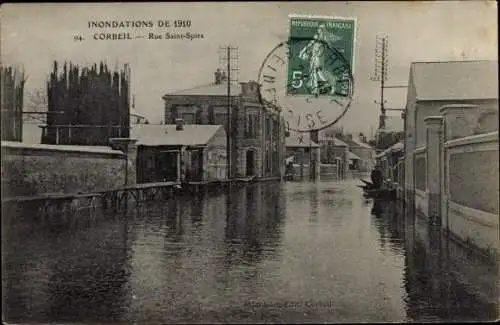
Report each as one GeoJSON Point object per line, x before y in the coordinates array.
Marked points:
{"type": "Point", "coordinates": [320, 80]}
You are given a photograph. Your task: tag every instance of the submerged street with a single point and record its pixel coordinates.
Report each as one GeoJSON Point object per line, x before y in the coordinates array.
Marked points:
{"type": "Point", "coordinates": [269, 252]}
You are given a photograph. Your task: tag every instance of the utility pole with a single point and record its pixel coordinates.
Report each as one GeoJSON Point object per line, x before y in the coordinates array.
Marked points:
{"type": "Point", "coordinates": [380, 73]}
{"type": "Point", "coordinates": [228, 55]}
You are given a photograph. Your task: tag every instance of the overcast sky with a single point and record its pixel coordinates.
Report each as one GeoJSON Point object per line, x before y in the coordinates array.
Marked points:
{"type": "Point", "coordinates": [36, 34]}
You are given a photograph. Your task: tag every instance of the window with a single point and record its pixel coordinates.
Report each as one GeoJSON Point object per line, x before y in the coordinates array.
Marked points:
{"type": "Point", "coordinates": [150, 162]}
{"type": "Point", "coordinates": [275, 128]}
{"type": "Point", "coordinates": [221, 119]}
{"type": "Point", "coordinates": [188, 118]}
{"type": "Point", "coordinates": [252, 125]}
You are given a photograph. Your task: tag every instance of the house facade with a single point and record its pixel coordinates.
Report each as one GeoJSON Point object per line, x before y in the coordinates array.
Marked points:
{"type": "Point", "coordinates": [390, 161]}
{"type": "Point", "coordinates": [451, 149]}
{"type": "Point", "coordinates": [361, 150]}
{"type": "Point", "coordinates": [433, 85]}
{"type": "Point", "coordinates": [256, 132]}
{"type": "Point", "coordinates": [334, 155]}
{"type": "Point", "coordinates": [178, 152]}
{"type": "Point", "coordinates": [333, 150]}
{"type": "Point", "coordinates": [305, 155]}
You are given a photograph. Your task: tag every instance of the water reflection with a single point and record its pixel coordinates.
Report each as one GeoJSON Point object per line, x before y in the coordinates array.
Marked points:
{"type": "Point", "coordinates": [67, 275]}
{"type": "Point", "coordinates": [296, 252]}
{"type": "Point", "coordinates": [442, 280]}
{"type": "Point", "coordinates": [253, 220]}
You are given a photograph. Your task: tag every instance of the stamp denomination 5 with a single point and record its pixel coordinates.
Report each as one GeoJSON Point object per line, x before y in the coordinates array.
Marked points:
{"type": "Point", "coordinates": [310, 75]}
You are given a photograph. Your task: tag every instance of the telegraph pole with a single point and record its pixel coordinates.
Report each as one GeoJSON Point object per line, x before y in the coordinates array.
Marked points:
{"type": "Point", "coordinates": [229, 57]}
{"type": "Point", "coordinates": [380, 73]}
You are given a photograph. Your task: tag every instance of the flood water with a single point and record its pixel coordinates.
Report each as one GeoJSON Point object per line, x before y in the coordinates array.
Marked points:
{"type": "Point", "coordinates": [289, 252]}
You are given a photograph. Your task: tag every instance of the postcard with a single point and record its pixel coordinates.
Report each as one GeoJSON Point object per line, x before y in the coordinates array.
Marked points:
{"type": "Point", "coordinates": [249, 162]}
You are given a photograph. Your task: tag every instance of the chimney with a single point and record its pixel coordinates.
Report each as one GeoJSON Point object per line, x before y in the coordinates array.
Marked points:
{"type": "Point", "coordinates": [314, 136]}
{"type": "Point", "coordinates": [179, 124]}
{"type": "Point", "coordinates": [218, 77]}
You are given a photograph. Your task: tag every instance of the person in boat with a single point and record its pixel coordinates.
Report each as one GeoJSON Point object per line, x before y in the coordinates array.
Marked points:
{"type": "Point", "coordinates": [377, 176]}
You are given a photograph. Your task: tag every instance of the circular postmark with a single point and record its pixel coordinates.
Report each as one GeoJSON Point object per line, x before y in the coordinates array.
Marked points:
{"type": "Point", "coordinates": [310, 81]}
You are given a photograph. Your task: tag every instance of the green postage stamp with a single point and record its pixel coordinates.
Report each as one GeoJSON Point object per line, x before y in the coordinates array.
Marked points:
{"type": "Point", "coordinates": [321, 56]}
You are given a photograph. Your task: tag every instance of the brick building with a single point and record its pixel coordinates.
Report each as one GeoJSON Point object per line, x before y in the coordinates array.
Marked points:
{"type": "Point", "coordinates": [256, 133]}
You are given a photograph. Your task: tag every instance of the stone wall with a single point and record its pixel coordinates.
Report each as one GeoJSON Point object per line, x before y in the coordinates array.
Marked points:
{"type": "Point", "coordinates": [40, 169]}
{"type": "Point", "coordinates": [471, 191]}
{"type": "Point", "coordinates": [474, 180]}
{"type": "Point", "coordinates": [478, 118]}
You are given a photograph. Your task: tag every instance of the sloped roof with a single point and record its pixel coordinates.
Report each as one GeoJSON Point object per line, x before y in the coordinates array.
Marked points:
{"type": "Point", "coordinates": [211, 89]}
{"type": "Point", "coordinates": [360, 144]}
{"type": "Point", "coordinates": [455, 80]}
{"type": "Point", "coordinates": [167, 135]}
{"type": "Point", "coordinates": [336, 141]}
{"type": "Point", "coordinates": [58, 147]}
{"type": "Point", "coordinates": [294, 141]}
{"type": "Point", "coordinates": [352, 156]}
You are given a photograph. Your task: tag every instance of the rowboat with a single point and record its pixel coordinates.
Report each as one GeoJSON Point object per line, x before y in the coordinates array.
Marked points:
{"type": "Point", "coordinates": [382, 193]}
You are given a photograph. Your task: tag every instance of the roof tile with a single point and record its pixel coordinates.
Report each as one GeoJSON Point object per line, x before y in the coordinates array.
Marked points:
{"type": "Point", "coordinates": [167, 135]}
{"type": "Point", "coordinates": [455, 80]}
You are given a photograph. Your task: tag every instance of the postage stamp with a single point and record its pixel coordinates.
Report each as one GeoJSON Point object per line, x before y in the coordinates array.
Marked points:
{"type": "Point", "coordinates": [321, 55]}
{"type": "Point", "coordinates": [310, 76]}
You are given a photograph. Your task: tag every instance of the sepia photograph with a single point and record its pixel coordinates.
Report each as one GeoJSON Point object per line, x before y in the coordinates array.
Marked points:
{"type": "Point", "coordinates": [249, 162]}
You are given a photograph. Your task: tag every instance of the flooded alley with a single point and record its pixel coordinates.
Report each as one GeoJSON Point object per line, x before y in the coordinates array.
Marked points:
{"type": "Point", "coordinates": [268, 252]}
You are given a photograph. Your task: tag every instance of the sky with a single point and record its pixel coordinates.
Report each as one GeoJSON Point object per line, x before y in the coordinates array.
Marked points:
{"type": "Point", "coordinates": [34, 35]}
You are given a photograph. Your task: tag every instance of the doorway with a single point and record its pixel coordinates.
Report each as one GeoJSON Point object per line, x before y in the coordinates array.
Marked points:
{"type": "Point", "coordinates": [250, 162]}
{"type": "Point", "coordinates": [196, 168]}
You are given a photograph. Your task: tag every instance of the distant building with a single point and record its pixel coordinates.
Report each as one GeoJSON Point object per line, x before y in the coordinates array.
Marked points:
{"type": "Point", "coordinates": [354, 161]}
{"type": "Point", "coordinates": [389, 160]}
{"type": "Point", "coordinates": [180, 152]}
{"type": "Point", "coordinates": [435, 84]}
{"type": "Point", "coordinates": [304, 153]}
{"type": "Point", "coordinates": [334, 151]}
{"type": "Point", "coordinates": [362, 150]}
{"type": "Point", "coordinates": [257, 133]}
